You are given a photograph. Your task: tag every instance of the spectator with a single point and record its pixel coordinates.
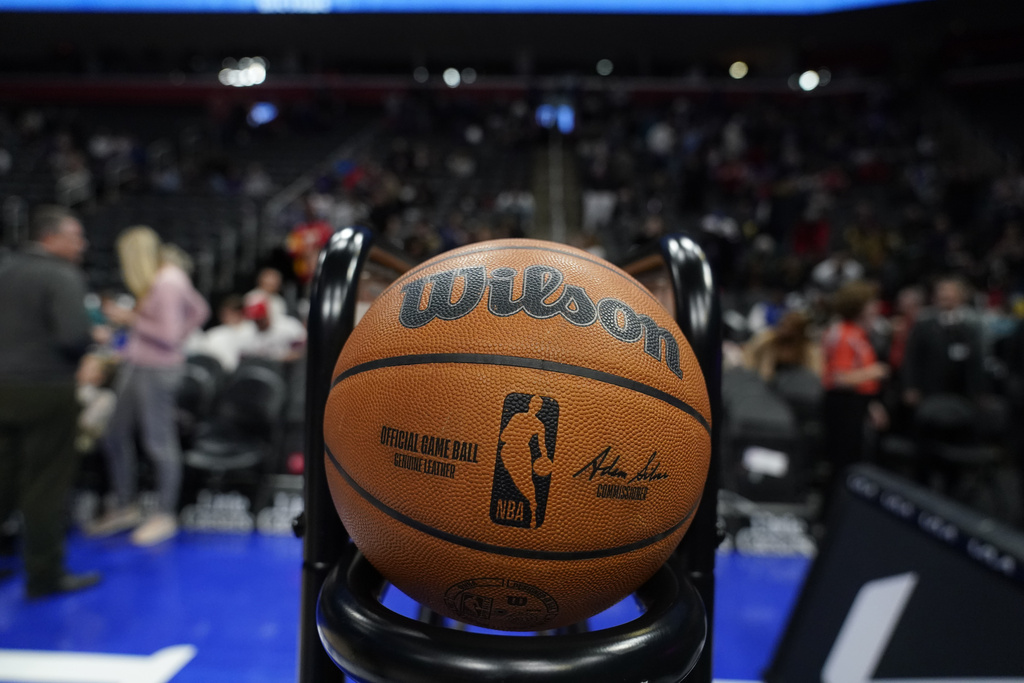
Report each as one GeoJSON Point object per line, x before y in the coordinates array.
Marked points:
{"type": "Point", "coordinates": [852, 377]}
{"type": "Point", "coordinates": [787, 345]}
{"type": "Point", "coordinates": [268, 283]}
{"type": "Point", "coordinates": [256, 182]}
{"type": "Point", "coordinates": [944, 348]}
{"type": "Point", "coordinates": [347, 210]}
{"type": "Point", "coordinates": [44, 332]}
{"type": "Point", "coordinates": [835, 271]}
{"type": "Point", "coordinates": [97, 399]}
{"type": "Point", "coordinates": [278, 339]}
{"type": "Point", "coordinates": [768, 311]}
{"type": "Point", "coordinates": [304, 243]}
{"type": "Point", "coordinates": [74, 185]}
{"type": "Point", "coordinates": [225, 341]}
{"type": "Point", "coordinates": [1015, 391]}
{"type": "Point", "coordinates": [909, 302]}
{"type": "Point", "coordinates": [168, 309]}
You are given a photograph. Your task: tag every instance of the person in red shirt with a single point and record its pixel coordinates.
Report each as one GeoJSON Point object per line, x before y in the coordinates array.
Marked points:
{"type": "Point", "coordinates": [305, 242]}
{"type": "Point", "coordinates": [852, 378]}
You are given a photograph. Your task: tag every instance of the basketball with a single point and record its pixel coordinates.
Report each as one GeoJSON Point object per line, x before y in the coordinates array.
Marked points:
{"type": "Point", "coordinates": [517, 434]}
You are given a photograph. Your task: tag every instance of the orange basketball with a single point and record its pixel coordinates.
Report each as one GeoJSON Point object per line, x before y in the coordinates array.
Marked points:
{"type": "Point", "coordinates": [517, 434]}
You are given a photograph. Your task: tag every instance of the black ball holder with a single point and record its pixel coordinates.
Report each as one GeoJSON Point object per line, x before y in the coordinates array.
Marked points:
{"type": "Point", "coordinates": [344, 627]}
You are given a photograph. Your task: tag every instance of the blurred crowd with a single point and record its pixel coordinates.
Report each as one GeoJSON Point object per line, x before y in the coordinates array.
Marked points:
{"type": "Point", "coordinates": [873, 240]}
{"type": "Point", "coordinates": [438, 174]}
{"type": "Point", "coordinates": [783, 190]}
{"type": "Point", "coordinates": [114, 375]}
{"type": "Point", "coordinates": [88, 155]}
{"type": "Point", "coordinates": [869, 250]}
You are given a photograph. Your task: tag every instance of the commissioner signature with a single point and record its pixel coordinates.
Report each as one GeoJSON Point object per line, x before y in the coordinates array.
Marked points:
{"type": "Point", "coordinates": [602, 467]}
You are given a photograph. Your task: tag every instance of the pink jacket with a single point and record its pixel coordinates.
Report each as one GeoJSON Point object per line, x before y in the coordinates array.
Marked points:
{"type": "Point", "coordinates": [164, 320]}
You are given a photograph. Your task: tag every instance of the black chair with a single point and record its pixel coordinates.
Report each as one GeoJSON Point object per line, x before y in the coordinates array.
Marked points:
{"type": "Point", "coordinates": [801, 388]}
{"type": "Point", "coordinates": [340, 591]}
{"type": "Point", "coordinates": [194, 401]}
{"type": "Point", "coordinates": [244, 430]}
{"type": "Point", "coordinates": [278, 366]}
{"type": "Point", "coordinates": [755, 416]}
{"type": "Point", "coordinates": [212, 366]}
{"type": "Point", "coordinates": [961, 438]}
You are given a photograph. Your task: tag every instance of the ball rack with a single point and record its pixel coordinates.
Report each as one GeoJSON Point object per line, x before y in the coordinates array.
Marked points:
{"type": "Point", "coordinates": [344, 629]}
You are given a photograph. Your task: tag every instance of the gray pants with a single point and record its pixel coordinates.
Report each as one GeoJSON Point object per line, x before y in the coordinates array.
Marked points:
{"type": "Point", "coordinates": [146, 397]}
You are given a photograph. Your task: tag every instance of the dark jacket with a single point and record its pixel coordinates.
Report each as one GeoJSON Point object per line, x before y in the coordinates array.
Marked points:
{"type": "Point", "coordinates": [945, 356]}
{"type": "Point", "coordinates": [1015, 365]}
{"type": "Point", "coordinates": [44, 327]}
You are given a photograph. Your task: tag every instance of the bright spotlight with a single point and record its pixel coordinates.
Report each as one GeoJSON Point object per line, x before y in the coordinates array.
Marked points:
{"type": "Point", "coordinates": [469, 75]}
{"type": "Point", "coordinates": [451, 78]}
{"type": "Point", "coordinates": [738, 70]}
{"type": "Point", "coordinates": [257, 73]}
{"type": "Point", "coordinates": [546, 116]}
{"type": "Point", "coordinates": [243, 73]}
{"type": "Point", "coordinates": [420, 74]}
{"type": "Point", "coordinates": [605, 67]}
{"type": "Point", "coordinates": [261, 113]}
{"type": "Point", "coordinates": [808, 81]}
{"type": "Point", "coordinates": [566, 119]}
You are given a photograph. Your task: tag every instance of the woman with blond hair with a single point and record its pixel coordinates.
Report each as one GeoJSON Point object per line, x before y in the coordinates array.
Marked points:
{"type": "Point", "coordinates": [167, 310]}
{"type": "Point", "coordinates": [787, 345]}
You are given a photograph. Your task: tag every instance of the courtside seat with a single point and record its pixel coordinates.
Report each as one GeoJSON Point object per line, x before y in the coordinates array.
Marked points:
{"type": "Point", "coordinates": [244, 431]}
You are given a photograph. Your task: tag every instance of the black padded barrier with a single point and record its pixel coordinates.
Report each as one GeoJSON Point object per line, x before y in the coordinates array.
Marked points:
{"type": "Point", "coordinates": [670, 642]}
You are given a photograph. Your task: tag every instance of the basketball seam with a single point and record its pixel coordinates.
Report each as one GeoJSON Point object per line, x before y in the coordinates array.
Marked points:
{"type": "Point", "coordinates": [523, 553]}
{"type": "Point", "coordinates": [530, 363]}
{"type": "Point", "coordinates": [626, 276]}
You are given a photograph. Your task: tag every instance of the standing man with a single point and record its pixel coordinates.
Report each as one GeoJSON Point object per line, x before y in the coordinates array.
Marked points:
{"type": "Point", "coordinates": [44, 332]}
{"type": "Point", "coordinates": [944, 351]}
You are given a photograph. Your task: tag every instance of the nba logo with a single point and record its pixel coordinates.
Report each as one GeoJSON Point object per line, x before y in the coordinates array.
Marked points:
{"type": "Point", "coordinates": [526, 453]}
{"type": "Point", "coordinates": [475, 606]}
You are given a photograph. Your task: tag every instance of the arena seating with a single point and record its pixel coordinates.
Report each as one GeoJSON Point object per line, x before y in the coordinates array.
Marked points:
{"type": "Point", "coordinates": [769, 184]}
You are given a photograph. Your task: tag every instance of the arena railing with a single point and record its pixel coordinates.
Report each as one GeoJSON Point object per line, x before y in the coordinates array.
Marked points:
{"type": "Point", "coordinates": [345, 629]}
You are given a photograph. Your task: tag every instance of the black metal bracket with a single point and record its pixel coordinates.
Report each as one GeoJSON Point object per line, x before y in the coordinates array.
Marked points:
{"type": "Point", "coordinates": [375, 645]}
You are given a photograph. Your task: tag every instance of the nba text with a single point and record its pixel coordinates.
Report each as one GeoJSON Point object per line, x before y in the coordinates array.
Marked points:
{"type": "Point", "coordinates": [510, 510]}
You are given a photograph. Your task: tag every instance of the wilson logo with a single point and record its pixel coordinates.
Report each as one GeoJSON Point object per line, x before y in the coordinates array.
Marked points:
{"type": "Point", "coordinates": [544, 295]}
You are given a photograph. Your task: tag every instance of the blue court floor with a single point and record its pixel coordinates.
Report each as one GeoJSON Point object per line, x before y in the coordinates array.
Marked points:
{"type": "Point", "coordinates": [222, 607]}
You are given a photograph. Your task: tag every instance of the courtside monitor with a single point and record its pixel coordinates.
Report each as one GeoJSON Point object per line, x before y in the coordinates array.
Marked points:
{"type": "Point", "coordinates": [908, 586]}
